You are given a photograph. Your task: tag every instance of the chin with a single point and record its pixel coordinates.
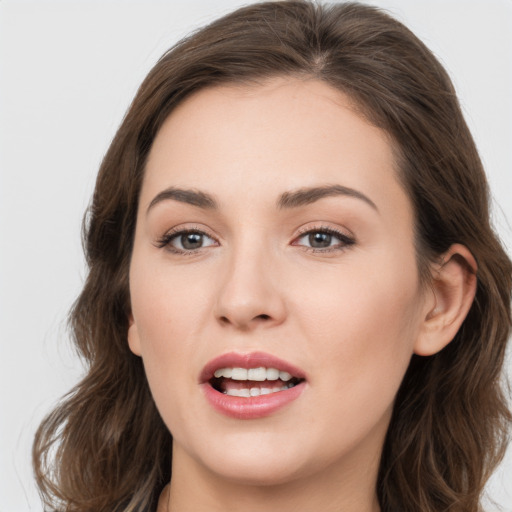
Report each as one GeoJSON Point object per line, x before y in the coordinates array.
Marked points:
{"type": "Point", "coordinates": [258, 473]}
{"type": "Point", "coordinates": [252, 460]}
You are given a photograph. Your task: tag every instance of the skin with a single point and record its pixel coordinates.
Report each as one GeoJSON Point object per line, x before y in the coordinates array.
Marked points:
{"type": "Point", "coordinates": [349, 315]}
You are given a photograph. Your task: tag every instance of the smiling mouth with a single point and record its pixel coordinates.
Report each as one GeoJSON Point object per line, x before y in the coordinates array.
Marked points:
{"type": "Point", "coordinates": [252, 382]}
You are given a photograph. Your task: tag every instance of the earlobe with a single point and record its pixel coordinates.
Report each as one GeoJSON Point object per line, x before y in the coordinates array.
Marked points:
{"type": "Point", "coordinates": [133, 336]}
{"type": "Point", "coordinates": [453, 288]}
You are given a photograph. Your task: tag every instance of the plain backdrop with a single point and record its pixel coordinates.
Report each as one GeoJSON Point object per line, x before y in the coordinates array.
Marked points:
{"type": "Point", "coordinates": [68, 71]}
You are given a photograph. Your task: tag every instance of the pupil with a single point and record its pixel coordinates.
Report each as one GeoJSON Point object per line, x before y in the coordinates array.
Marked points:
{"type": "Point", "coordinates": [320, 240]}
{"type": "Point", "coordinates": [191, 240]}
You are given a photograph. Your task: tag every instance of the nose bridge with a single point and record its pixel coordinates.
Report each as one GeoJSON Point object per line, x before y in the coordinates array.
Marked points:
{"type": "Point", "coordinates": [249, 291]}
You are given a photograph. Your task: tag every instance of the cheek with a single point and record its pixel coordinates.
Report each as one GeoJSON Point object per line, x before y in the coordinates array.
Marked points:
{"type": "Point", "coordinates": [167, 307]}
{"type": "Point", "coordinates": [166, 302]}
{"type": "Point", "coordinates": [364, 320]}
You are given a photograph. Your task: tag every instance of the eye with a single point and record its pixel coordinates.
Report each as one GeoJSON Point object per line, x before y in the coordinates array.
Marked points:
{"type": "Point", "coordinates": [184, 241]}
{"type": "Point", "coordinates": [324, 239]}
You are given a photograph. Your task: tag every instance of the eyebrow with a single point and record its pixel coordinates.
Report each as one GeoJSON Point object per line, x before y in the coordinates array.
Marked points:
{"type": "Point", "coordinates": [304, 196]}
{"type": "Point", "coordinates": [293, 199]}
{"type": "Point", "coordinates": [188, 196]}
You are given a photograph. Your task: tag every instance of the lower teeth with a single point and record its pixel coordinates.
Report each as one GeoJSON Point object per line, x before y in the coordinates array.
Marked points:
{"type": "Point", "coordinates": [247, 393]}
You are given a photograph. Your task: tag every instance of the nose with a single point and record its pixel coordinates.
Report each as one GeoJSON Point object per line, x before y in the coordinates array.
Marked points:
{"type": "Point", "coordinates": [250, 294]}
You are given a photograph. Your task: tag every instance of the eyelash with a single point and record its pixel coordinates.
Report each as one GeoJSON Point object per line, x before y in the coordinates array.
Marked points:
{"type": "Point", "coordinates": [345, 240]}
{"type": "Point", "coordinates": [165, 240]}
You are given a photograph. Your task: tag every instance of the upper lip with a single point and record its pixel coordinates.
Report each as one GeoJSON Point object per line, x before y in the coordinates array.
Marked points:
{"type": "Point", "coordinates": [249, 360]}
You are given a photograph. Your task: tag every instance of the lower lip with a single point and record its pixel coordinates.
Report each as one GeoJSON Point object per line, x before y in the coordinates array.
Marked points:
{"type": "Point", "coordinates": [252, 407]}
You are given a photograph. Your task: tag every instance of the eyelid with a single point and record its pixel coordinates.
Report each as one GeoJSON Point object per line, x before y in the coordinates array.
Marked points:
{"type": "Point", "coordinates": [164, 241]}
{"type": "Point", "coordinates": [346, 239]}
{"type": "Point", "coordinates": [322, 226]}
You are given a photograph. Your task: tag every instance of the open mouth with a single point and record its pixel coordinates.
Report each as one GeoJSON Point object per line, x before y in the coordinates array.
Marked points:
{"type": "Point", "coordinates": [252, 385]}
{"type": "Point", "coordinates": [252, 382]}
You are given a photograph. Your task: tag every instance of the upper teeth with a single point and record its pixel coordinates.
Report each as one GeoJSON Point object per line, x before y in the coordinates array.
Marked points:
{"type": "Point", "coordinates": [256, 374]}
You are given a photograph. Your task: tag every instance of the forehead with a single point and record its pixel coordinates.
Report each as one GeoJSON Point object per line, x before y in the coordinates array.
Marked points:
{"type": "Point", "coordinates": [283, 134]}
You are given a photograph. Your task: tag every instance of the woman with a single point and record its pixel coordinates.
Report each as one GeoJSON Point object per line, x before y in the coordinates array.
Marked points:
{"type": "Point", "coordinates": [295, 298]}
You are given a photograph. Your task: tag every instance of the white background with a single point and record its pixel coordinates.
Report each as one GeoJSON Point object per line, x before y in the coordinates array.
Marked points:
{"type": "Point", "coordinates": [68, 71]}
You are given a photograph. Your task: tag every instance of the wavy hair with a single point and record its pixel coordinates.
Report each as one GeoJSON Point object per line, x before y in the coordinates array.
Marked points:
{"type": "Point", "coordinates": [105, 448]}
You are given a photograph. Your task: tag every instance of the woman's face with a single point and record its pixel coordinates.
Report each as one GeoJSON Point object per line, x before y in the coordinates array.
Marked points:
{"type": "Point", "coordinates": [273, 236]}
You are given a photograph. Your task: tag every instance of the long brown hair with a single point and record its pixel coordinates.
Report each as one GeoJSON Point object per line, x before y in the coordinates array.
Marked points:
{"type": "Point", "coordinates": [105, 448]}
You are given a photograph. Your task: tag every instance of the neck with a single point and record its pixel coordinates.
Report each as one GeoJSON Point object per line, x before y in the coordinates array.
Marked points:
{"type": "Point", "coordinates": [350, 488]}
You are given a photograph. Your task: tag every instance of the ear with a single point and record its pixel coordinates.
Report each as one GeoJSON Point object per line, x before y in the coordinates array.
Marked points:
{"type": "Point", "coordinates": [133, 336]}
{"type": "Point", "coordinates": [453, 289]}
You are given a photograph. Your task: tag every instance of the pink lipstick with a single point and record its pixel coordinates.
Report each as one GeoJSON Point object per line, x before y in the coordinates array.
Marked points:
{"type": "Point", "coordinates": [250, 386]}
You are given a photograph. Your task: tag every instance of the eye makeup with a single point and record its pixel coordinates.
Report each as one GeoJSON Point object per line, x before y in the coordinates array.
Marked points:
{"type": "Point", "coordinates": [321, 238]}
{"type": "Point", "coordinates": [316, 239]}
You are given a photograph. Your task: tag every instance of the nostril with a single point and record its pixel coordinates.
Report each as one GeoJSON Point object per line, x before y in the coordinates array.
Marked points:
{"type": "Point", "coordinates": [245, 322]}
